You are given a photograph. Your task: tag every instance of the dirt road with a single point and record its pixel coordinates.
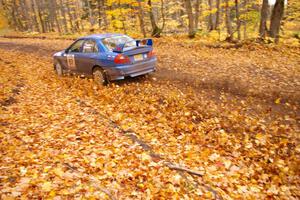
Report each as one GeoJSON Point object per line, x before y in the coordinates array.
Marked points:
{"type": "Point", "coordinates": [229, 115]}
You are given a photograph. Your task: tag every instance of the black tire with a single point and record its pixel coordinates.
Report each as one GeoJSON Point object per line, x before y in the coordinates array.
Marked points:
{"type": "Point", "coordinates": [59, 70]}
{"type": "Point", "coordinates": [99, 76]}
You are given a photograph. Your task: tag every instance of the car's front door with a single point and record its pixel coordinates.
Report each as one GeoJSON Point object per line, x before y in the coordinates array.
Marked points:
{"type": "Point", "coordinates": [72, 56]}
{"type": "Point", "coordinates": [87, 59]}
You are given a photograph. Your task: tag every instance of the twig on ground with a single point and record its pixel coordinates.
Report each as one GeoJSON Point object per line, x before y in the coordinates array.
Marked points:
{"type": "Point", "coordinates": [179, 168]}
{"type": "Point", "coordinates": [132, 135]}
{"type": "Point", "coordinates": [93, 181]}
{"type": "Point", "coordinates": [104, 190]}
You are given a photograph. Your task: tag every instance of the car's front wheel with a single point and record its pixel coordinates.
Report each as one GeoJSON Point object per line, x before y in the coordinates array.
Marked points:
{"type": "Point", "coordinates": [58, 69]}
{"type": "Point", "coordinates": [99, 76]}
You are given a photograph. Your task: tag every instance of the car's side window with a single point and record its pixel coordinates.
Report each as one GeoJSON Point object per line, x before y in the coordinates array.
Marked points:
{"type": "Point", "coordinates": [76, 47]}
{"type": "Point", "coordinates": [90, 46]}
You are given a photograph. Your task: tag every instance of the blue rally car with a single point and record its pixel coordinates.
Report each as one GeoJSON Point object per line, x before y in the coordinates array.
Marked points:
{"type": "Point", "coordinates": [107, 57]}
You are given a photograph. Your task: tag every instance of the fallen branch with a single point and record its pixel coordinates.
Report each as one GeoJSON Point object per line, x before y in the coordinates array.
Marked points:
{"type": "Point", "coordinates": [107, 192]}
{"type": "Point", "coordinates": [133, 136]}
{"type": "Point", "coordinates": [104, 190]}
{"type": "Point", "coordinates": [192, 172]}
{"type": "Point", "coordinates": [92, 180]}
{"type": "Point", "coordinates": [179, 168]}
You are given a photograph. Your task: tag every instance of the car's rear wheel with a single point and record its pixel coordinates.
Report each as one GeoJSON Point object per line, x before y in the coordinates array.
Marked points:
{"type": "Point", "coordinates": [99, 76]}
{"type": "Point", "coordinates": [58, 69]}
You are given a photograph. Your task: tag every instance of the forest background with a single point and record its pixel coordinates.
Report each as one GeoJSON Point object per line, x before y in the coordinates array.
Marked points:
{"type": "Point", "coordinates": [216, 20]}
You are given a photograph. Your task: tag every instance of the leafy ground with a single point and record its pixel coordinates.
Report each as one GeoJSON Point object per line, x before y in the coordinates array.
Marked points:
{"type": "Point", "coordinates": [211, 123]}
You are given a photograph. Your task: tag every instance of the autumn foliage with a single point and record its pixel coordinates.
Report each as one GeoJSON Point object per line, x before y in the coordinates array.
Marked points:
{"type": "Point", "coordinates": [210, 124]}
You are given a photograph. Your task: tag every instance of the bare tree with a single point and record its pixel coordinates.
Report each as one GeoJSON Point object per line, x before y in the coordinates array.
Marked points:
{"type": "Point", "coordinates": [122, 17]}
{"type": "Point", "coordinates": [14, 17]}
{"type": "Point", "coordinates": [103, 13]}
{"type": "Point", "coordinates": [99, 5]}
{"type": "Point", "coordinates": [34, 16]}
{"type": "Point", "coordinates": [25, 14]}
{"type": "Point", "coordinates": [38, 5]}
{"type": "Point", "coordinates": [63, 13]}
{"type": "Point", "coordinates": [156, 31]}
{"type": "Point", "coordinates": [276, 17]}
{"type": "Point", "coordinates": [217, 14]}
{"type": "Point", "coordinates": [141, 18]}
{"type": "Point", "coordinates": [197, 13]}
{"type": "Point", "coordinates": [238, 21]}
{"type": "Point", "coordinates": [189, 11]}
{"type": "Point", "coordinates": [162, 8]}
{"type": "Point", "coordinates": [91, 14]}
{"type": "Point", "coordinates": [77, 16]}
{"type": "Point", "coordinates": [228, 21]}
{"type": "Point", "coordinates": [69, 12]}
{"type": "Point", "coordinates": [264, 12]}
{"type": "Point", "coordinates": [210, 23]}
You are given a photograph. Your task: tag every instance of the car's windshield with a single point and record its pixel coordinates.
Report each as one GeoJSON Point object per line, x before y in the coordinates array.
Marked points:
{"type": "Point", "coordinates": [111, 42]}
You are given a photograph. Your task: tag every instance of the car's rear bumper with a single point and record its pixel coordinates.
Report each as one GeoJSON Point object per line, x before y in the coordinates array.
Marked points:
{"type": "Point", "coordinates": [133, 70]}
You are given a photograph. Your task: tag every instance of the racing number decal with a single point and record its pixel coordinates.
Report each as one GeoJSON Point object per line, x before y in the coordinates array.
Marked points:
{"type": "Point", "coordinates": [71, 61]}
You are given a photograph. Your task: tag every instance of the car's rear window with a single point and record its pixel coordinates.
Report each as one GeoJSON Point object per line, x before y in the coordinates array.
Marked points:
{"type": "Point", "coordinates": [111, 42]}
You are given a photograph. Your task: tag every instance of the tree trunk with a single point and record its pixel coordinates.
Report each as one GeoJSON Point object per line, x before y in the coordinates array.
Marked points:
{"type": "Point", "coordinates": [55, 16]}
{"type": "Point", "coordinates": [48, 26]}
{"type": "Point", "coordinates": [52, 13]}
{"type": "Point", "coordinates": [141, 18]}
{"type": "Point", "coordinates": [162, 14]}
{"type": "Point", "coordinates": [79, 23]}
{"type": "Point", "coordinates": [197, 14]}
{"type": "Point", "coordinates": [217, 15]}
{"type": "Point", "coordinates": [179, 15]}
{"type": "Point", "coordinates": [103, 7]}
{"type": "Point", "coordinates": [14, 17]}
{"type": "Point", "coordinates": [238, 21]}
{"type": "Point", "coordinates": [189, 11]}
{"type": "Point", "coordinates": [228, 22]}
{"type": "Point", "coordinates": [30, 20]}
{"type": "Point", "coordinates": [210, 24]}
{"type": "Point", "coordinates": [63, 13]}
{"type": "Point", "coordinates": [28, 25]}
{"type": "Point", "coordinates": [276, 17]}
{"type": "Point", "coordinates": [40, 15]}
{"type": "Point", "coordinates": [122, 17]}
{"type": "Point", "coordinates": [76, 14]}
{"type": "Point", "coordinates": [264, 12]}
{"type": "Point", "coordinates": [70, 17]}
{"type": "Point", "coordinates": [91, 17]}
{"type": "Point", "coordinates": [155, 30]}
{"type": "Point", "coordinates": [34, 16]}
{"type": "Point", "coordinates": [19, 17]}
{"type": "Point", "coordinates": [245, 30]}
{"type": "Point", "coordinates": [99, 13]}
{"type": "Point", "coordinates": [102, 14]}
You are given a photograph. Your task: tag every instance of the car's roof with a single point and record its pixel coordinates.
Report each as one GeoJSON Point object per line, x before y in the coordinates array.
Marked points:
{"type": "Point", "coordinates": [101, 36]}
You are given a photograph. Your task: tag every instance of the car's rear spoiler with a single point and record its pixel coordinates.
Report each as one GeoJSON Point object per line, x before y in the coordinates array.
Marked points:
{"type": "Point", "coordinates": [146, 41]}
{"type": "Point", "coordinates": [139, 43]}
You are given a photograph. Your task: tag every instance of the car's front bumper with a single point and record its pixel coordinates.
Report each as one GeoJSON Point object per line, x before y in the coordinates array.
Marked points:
{"type": "Point", "coordinates": [132, 70]}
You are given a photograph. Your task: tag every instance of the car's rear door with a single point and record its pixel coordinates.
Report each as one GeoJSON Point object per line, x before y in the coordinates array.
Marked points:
{"type": "Point", "coordinates": [87, 58]}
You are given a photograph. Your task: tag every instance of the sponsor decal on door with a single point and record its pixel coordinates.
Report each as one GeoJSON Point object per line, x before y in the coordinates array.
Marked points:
{"type": "Point", "coordinates": [71, 61]}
